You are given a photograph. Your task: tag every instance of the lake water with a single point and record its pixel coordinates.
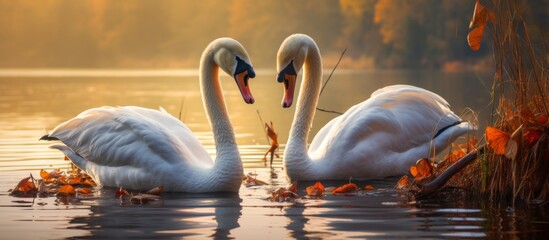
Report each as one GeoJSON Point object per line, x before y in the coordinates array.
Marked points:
{"type": "Point", "coordinates": [33, 102]}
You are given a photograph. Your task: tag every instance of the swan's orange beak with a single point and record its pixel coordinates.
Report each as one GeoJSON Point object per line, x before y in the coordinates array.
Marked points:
{"type": "Point", "coordinates": [288, 77]}
{"type": "Point", "coordinates": [288, 82]}
{"type": "Point", "coordinates": [243, 84]}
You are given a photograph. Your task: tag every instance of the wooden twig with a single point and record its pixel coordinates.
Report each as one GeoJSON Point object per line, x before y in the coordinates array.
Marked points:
{"type": "Point", "coordinates": [331, 73]}
{"type": "Point", "coordinates": [326, 82]}
{"type": "Point", "coordinates": [329, 111]}
{"type": "Point", "coordinates": [261, 123]}
{"type": "Point", "coordinates": [441, 179]}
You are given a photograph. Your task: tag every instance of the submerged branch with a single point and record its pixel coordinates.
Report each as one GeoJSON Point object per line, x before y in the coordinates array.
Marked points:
{"type": "Point", "coordinates": [441, 179]}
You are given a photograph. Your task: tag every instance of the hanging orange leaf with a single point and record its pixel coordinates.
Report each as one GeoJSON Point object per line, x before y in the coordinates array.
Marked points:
{"type": "Point", "coordinates": [402, 182]}
{"type": "Point", "coordinates": [274, 141]}
{"type": "Point", "coordinates": [497, 139]}
{"type": "Point", "coordinates": [531, 136]}
{"type": "Point", "coordinates": [66, 190]}
{"type": "Point", "coordinates": [369, 187]}
{"type": "Point", "coordinates": [317, 190]}
{"type": "Point", "coordinates": [542, 119]}
{"type": "Point", "coordinates": [477, 24]}
{"type": "Point", "coordinates": [347, 188]}
{"type": "Point", "coordinates": [501, 143]}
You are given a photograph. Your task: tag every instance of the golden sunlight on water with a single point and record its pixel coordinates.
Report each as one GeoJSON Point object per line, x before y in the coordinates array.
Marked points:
{"type": "Point", "coordinates": [31, 106]}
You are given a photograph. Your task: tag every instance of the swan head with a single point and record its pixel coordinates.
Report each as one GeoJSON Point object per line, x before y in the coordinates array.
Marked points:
{"type": "Point", "coordinates": [290, 59]}
{"type": "Point", "coordinates": [233, 59]}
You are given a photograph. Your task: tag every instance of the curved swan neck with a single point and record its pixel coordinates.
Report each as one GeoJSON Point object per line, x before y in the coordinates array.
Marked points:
{"type": "Point", "coordinates": [308, 98]}
{"type": "Point", "coordinates": [227, 155]}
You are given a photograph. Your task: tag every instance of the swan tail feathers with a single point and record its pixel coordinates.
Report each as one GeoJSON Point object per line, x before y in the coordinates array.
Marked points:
{"type": "Point", "coordinates": [78, 160]}
{"type": "Point", "coordinates": [48, 137]}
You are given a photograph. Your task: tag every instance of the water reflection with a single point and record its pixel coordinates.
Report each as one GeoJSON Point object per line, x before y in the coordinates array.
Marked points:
{"type": "Point", "coordinates": [175, 216]}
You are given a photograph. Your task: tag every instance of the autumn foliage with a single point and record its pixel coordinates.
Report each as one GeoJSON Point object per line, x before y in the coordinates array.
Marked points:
{"type": "Point", "coordinates": [315, 191]}
{"type": "Point", "coordinates": [55, 182]}
{"type": "Point", "coordinates": [347, 188]}
{"type": "Point", "coordinates": [478, 22]}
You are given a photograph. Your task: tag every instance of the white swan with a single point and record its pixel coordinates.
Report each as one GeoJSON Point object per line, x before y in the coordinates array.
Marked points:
{"type": "Point", "coordinates": [139, 148]}
{"type": "Point", "coordinates": [382, 136]}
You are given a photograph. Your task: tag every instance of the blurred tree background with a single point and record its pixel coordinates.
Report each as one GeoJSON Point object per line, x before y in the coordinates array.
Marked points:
{"type": "Point", "coordinates": [173, 33]}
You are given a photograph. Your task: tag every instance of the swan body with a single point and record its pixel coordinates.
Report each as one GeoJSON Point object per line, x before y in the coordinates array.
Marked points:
{"type": "Point", "coordinates": [382, 136]}
{"type": "Point", "coordinates": [138, 148]}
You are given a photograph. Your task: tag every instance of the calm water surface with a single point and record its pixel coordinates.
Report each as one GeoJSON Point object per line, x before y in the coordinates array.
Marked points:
{"type": "Point", "coordinates": [32, 103]}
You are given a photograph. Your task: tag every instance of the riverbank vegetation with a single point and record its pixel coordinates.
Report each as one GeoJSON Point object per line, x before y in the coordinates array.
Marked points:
{"type": "Point", "coordinates": [171, 33]}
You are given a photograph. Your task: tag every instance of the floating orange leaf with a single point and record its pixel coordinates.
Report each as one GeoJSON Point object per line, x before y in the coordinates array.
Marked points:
{"type": "Point", "coordinates": [84, 190]}
{"type": "Point", "coordinates": [293, 187]}
{"type": "Point", "coordinates": [121, 192]}
{"type": "Point", "coordinates": [66, 190]}
{"type": "Point", "coordinates": [143, 198]}
{"type": "Point", "coordinates": [317, 190]}
{"type": "Point", "coordinates": [282, 194]}
{"type": "Point", "coordinates": [24, 187]}
{"type": "Point", "coordinates": [156, 191]}
{"type": "Point", "coordinates": [285, 194]}
{"type": "Point", "coordinates": [413, 171]}
{"type": "Point", "coordinates": [369, 187]}
{"type": "Point", "coordinates": [403, 182]}
{"type": "Point", "coordinates": [251, 180]}
{"type": "Point", "coordinates": [347, 188]}
{"type": "Point", "coordinates": [422, 169]}
{"type": "Point", "coordinates": [89, 182]}
{"type": "Point", "coordinates": [44, 174]}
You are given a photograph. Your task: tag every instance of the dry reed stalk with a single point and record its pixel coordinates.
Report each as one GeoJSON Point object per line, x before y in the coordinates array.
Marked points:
{"type": "Point", "coordinates": [520, 85]}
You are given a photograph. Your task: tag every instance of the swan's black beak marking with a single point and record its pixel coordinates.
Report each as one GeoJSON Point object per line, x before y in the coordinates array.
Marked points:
{"type": "Point", "coordinates": [242, 66]}
{"type": "Point", "coordinates": [287, 77]}
{"type": "Point", "coordinates": [290, 70]}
